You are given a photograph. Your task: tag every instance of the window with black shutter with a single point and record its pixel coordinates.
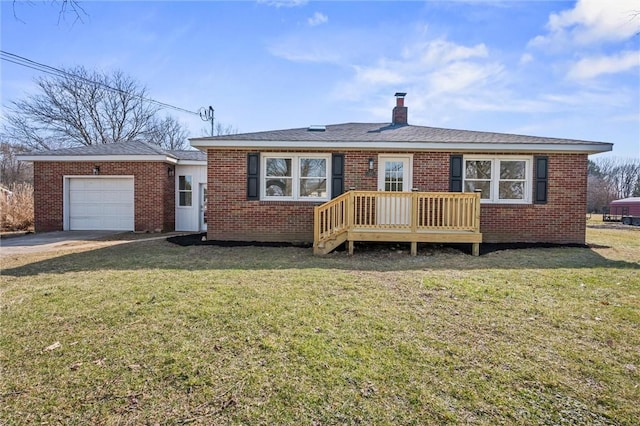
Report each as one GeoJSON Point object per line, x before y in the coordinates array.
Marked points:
{"type": "Point", "coordinates": [253, 176]}
{"type": "Point", "coordinates": [541, 183]}
{"type": "Point", "coordinates": [455, 173]}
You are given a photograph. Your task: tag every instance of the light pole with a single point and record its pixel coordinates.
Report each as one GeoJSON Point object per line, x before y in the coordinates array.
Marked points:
{"type": "Point", "coordinates": [207, 115]}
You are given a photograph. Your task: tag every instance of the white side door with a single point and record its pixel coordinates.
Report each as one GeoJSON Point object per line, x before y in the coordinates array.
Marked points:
{"type": "Point", "coordinates": [394, 175]}
{"type": "Point", "coordinates": [203, 206]}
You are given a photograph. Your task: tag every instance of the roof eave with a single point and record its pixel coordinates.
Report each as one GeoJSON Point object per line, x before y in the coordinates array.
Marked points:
{"type": "Point", "coordinates": [578, 147]}
{"type": "Point", "coordinates": [96, 158]}
{"type": "Point", "coordinates": [192, 162]}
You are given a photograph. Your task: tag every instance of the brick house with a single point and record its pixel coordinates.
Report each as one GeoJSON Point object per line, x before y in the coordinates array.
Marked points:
{"type": "Point", "coordinates": [129, 186]}
{"type": "Point", "coordinates": [264, 186]}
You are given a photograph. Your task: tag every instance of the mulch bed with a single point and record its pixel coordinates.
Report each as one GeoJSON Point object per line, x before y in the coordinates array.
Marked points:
{"type": "Point", "coordinates": [485, 248]}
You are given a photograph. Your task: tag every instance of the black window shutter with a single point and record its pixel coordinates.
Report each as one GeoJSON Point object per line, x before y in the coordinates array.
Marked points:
{"type": "Point", "coordinates": [337, 175]}
{"type": "Point", "coordinates": [542, 166]}
{"type": "Point", "coordinates": [253, 176]}
{"type": "Point", "coordinates": [455, 173]}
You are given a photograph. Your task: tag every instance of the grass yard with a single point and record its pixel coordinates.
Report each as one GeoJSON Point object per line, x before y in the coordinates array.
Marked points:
{"type": "Point", "coordinates": [153, 333]}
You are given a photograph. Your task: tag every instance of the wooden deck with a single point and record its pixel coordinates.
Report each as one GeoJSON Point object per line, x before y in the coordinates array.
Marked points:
{"type": "Point", "coordinates": [414, 217]}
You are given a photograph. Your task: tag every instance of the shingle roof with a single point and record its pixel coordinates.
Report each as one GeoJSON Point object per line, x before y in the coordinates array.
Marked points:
{"type": "Point", "coordinates": [189, 155]}
{"type": "Point", "coordinates": [134, 148]}
{"type": "Point", "coordinates": [385, 132]}
{"type": "Point", "coordinates": [120, 148]}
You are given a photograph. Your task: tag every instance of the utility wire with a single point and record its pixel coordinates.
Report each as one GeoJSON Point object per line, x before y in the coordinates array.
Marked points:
{"type": "Point", "coordinates": [25, 62]}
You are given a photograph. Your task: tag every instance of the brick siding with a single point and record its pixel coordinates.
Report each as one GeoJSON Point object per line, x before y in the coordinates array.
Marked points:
{"type": "Point", "coordinates": [233, 217]}
{"type": "Point", "coordinates": [154, 192]}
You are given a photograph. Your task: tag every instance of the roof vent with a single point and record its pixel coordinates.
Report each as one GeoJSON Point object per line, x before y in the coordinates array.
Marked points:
{"type": "Point", "coordinates": [317, 128]}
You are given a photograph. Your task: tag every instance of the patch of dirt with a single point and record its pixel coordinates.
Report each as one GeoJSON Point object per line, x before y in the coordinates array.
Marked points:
{"type": "Point", "coordinates": [379, 249]}
{"type": "Point", "coordinates": [201, 240]}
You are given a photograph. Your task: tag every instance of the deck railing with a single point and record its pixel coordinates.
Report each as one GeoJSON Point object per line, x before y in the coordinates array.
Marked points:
{"type": "Point", "coordinates": [397, 216]}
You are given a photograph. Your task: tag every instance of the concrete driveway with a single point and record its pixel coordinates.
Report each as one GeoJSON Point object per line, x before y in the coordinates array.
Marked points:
{"type": "Point", "coordinates": [52, 241]}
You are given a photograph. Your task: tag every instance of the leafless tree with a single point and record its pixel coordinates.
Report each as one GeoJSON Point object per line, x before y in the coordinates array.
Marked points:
{"type": "Point", "coordinates": [68, 8]}
{"type": "Point", "coordinates": [80, 107]}
{"type": "Point", "coordinates": [612, 178]}
{"type": "Point", "coordinates": [220, 129]}
{"type": "Point", "coordinates": [168, 133]}
{"type": "Point", "coordinates": [599, 194]}
{"type": "Point", "coordinates": [621, 173]}
{"type": "Point", "coordinates": [13, 171]}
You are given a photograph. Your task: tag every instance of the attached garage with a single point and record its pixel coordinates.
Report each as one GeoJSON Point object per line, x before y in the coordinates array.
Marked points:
{"type": "Point", "coordinates": [125, 186]}
{"type": "Point", "coordinates": [100, 203]}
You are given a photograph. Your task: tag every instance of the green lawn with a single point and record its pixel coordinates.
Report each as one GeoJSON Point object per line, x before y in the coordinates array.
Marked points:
{"type": "Point", "coordinates": [153, 333]}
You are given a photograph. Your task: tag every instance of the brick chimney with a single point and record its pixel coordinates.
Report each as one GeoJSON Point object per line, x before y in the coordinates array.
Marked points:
{"type": "Point", "coordinates": [399, 117]}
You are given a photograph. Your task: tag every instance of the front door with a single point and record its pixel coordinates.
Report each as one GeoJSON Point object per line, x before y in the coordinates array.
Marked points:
{"type": "Point", "coordinates": [394, 175]}
{"type": "Point", "coordinates": [203, 206]}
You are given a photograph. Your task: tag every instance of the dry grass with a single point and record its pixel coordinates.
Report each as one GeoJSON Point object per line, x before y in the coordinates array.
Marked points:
{"type": "Point", "coordinates": [152, 333]}
{"type": "Point", "coordinates": [16, 210]}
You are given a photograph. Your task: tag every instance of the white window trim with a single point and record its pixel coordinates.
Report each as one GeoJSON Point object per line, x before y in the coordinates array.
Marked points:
{"type": "Point", "coordinates": [295, 166]}
{"type": "Point", "coordinates": [495, 177]}
{"type": "Point", "coordinates": [178, 191]}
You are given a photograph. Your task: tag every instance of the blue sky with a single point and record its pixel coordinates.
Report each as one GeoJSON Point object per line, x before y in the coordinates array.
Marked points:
{"type": "Point", "coordinates": [550, 68]}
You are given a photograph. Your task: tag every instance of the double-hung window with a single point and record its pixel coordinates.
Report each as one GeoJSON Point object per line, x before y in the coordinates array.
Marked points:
{"type": "Point", "coordinates": [501, 179]}
{"type": "Point", "coordinates": [185, 191]}
{"type": "Point", "coordinates": [295, 177]}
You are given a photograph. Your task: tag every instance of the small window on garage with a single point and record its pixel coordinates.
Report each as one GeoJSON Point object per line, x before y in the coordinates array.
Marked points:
{"type": "Point", "coordinates": [185, 192]}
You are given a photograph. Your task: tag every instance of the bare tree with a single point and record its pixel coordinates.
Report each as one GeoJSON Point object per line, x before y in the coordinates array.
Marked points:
{"type": "Point", "coordinates": [612, 178]}
{"type": "Point", "coordinates": [599, 194]}
{"type": "Point", "coordinates": [621, 173]}
{"type": "Point", "coordinates": [13, 171]}
{"type": "Point", "coordinates": [80, 107]}
{"type": "Point", "coordinates": [169, 134]}
{"type": "Point", "coordinates": [70, 8]}
{"type": "Point", "coordinates": [220, 130]}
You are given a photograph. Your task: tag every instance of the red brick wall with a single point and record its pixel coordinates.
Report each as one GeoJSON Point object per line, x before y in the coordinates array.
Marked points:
{"type": "Point", "coordinates": [560, 220]}
{"type": "Point", "coordinates": [233, 217]}
{"type": "Point", "coordinates": [154, 192]}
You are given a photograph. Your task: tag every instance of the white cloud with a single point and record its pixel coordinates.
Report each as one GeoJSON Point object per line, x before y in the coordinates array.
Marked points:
{"type": "Point", "coordinates": [318, 19]}
{"type": "Point", "coordinates": [462, 77]}
{"type": "Point", "coordinates": [591, 21]}
{"type": "Point", "coordinates": [436, 73]}
{"type": "Point", "coordinates": [442, 51]}
{"type": "Point", "coordinates": [318, 54]}
{"type": "Point", "coordinates": [526, 58]}
{"type": "Point", "coordinates": [283, 3]}
{"type": "Point", "coordinates": [381, 75]}
{"type": "Point", "coordinates": [592, 67]}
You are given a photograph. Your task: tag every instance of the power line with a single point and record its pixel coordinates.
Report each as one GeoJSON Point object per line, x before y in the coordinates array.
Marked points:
{"type": "Point", "coordinates": [47, 69]}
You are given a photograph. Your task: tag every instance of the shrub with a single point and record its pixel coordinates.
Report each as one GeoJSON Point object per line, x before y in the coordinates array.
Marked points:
{"type": "Point", "coordinates": [16, 208]}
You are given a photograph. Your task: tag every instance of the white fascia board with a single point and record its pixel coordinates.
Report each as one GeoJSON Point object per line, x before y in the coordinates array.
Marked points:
{"type": "Point", "coordinates": [586, 148]}
{"type": "Point", "coordinates": [97, 158]}
{"type": "Point", "coordinates": [191, 163]}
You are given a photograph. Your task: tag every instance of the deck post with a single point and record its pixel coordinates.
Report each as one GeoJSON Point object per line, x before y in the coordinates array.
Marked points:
{"type": "Point", "coordinates": [350, 247]}
{"type": "Point", "coordinates": [316, 229]}
{"type": "Point", "coordinates": [475, 249]}
{"type": "Point", "coordinates": [350, 210]}
{"type": "Point", "coordinates": [414, 211]}
{"type": "Point", "coordinates": [414, 248]}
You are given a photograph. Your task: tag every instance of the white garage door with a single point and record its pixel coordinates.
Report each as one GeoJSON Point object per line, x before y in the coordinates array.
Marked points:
{"type": "Point", "coordinates": [101, 204]}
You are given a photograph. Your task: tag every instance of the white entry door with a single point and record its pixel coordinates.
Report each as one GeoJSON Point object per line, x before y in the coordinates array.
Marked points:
{"type": "Point", "coordinates": [394, 175]}
{"type": "Point", "coordinates": [203, 206]}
